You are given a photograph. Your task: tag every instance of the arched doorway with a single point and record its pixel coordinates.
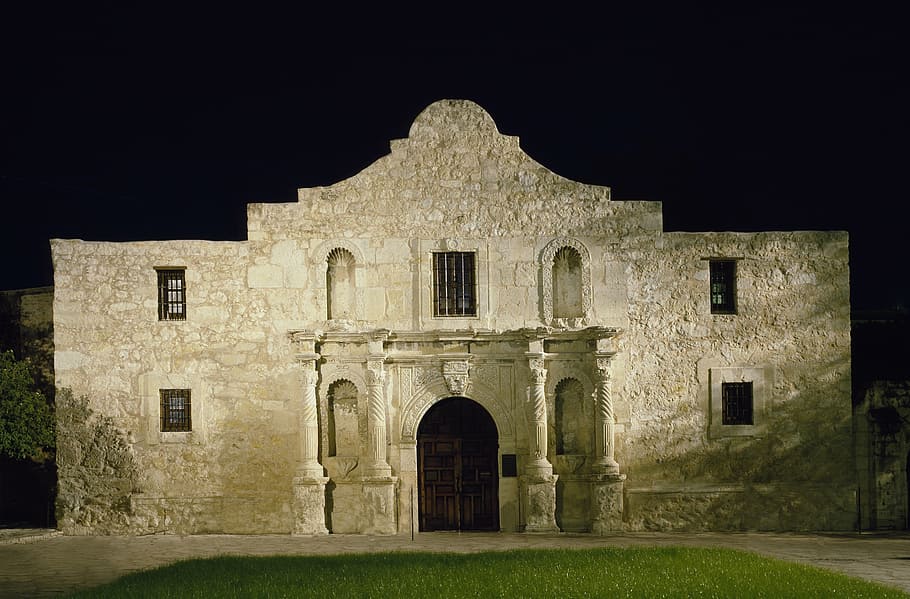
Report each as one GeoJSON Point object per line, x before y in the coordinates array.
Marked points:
{"type": "Point", "coordinates": [458, 481]}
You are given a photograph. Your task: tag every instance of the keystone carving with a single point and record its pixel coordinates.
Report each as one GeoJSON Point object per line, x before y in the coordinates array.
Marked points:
{"type": "Point", "coordinates": [455, 374]}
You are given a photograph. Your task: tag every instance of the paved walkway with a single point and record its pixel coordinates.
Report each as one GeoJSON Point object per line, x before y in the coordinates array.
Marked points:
{"type": "Point", "coordinates": [42, 563]}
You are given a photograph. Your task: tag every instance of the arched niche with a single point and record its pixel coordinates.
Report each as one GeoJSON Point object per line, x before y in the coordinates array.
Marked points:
{"type": "Point", "coordinates": [573, 430]}
{"type": "Point", "coordinates": [339, 265]}
{"type": "Point", "coordinates": [566, 293]}
{"type": "Point", "coordinates": [342, 422]}
{"type": "Point", "coordinates": [340, 285]}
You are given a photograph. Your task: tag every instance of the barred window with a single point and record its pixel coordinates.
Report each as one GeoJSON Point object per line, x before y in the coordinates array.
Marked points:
{"type": "Point", "coordinates": [171, 294]}
{"type": "Point", "coordinates": [454, 284]}
{"type": "Point", "coordinates": [737, 403]}
{"type": "Point", "coordinates": [176, 413]}
{"type": "Point", "coordinates": [723, 286]}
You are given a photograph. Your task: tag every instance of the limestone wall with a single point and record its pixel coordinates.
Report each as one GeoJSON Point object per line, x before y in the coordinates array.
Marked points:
{"type": "Point", "coordinates": [112, 348]}
{"type": "Point", "coordinates": [456, 184]}
{"type": "Point", "coordinates": [792, 330]}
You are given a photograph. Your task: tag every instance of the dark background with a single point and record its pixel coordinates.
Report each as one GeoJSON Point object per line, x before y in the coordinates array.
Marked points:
{"type": "Point", "coordinates": [164, 122]}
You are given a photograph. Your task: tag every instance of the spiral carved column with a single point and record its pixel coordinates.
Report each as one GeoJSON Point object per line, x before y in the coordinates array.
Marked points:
{"type": "Point", "coordinates": [377, 486]}
{"type": "Point", "coordinates": [538, 484]}
{"type": "Point", "coordinates": [308, 455]}
{"type": "Point", "coordinates": [377, 465]}
{"type": "Point", "coordinates": [538, 418]}
{"type": "Point", "coordinates": [309, 482]}
{"type": "Point", "coordinates": [604, 461]}
{"type": "Point", "coordinates": [607, 482]}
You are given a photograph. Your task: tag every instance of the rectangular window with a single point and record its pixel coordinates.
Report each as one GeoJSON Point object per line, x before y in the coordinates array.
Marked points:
{"type": "Point", "coordinates": [454, 284]}
{"type": "Point", "coordinates": [737, 403]}
{"type": "Point", "coordinates": [723, 286]}
{"type": "Point", "coordinates": [171, 294]}
{"type": "Point", "coordinates": [175, 410]}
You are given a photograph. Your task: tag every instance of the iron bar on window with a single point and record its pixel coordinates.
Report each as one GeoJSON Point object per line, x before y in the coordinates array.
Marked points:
{"type": "Point", "coordinates": [737, 400]}
{"type": "Point", "coordinates": [176, 413]}
{"type": "Point", "coordinates": [171, 295]}
{"type": "Point", "coordinates": [454, 284]}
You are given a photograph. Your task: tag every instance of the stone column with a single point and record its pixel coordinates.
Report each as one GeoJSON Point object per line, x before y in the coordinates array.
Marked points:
{"type": "Point", "coordinates": [606, 481]}
{"type": "Point", "coordinates": [537, 426]}
{"type": "Point", "coordinates": [538, 482]}
{"type": "Point", "coordinates": [376, 456]}
{"type": "Point", "coordinates": [378, 486]}
{"type": "Point", "coordinates": [309, 481]}
{"type": "Point", "coordinates": [604, 460]}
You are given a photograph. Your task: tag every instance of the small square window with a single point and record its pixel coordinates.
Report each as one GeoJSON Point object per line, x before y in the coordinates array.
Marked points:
{"type": "Point", "coordinates": [723, 287]}
{"type": "Point", "coordinates": [738, 400]}
{"type": "Point", "coordinates": [176, 412]}
{"type": "Point", "coordinates": [171, 294]}
{"type": "Point", "coordinates": [454, 284]}
{"type": "Point", "coordinates": [737, 403]}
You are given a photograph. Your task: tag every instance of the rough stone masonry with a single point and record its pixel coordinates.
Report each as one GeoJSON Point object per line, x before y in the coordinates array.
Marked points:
{"type": "Point", "coordinates": [455, 338]}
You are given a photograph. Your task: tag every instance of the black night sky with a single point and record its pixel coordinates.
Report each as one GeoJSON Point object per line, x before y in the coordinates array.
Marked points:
{"type": "Point", "coordinates": [129, 124]}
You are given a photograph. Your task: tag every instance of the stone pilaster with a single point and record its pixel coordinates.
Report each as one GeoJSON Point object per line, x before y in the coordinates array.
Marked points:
{"type": "Point", "coordinates": [607, 482]}
{"type": "Point", "coordinates": [538, 484]}
{"type": "Point", "coordinates": [604, 423]}
{"type": "Point", "coordinates": [537, 418]}
{"type": "Point", "coordinates": [308, 465]}
{"type": "Point", "coordinates": [376, 443]}
{"type": "Point", "coordinates": [377, 465]}
{"type": "Point", "coordinates": [309, 481]}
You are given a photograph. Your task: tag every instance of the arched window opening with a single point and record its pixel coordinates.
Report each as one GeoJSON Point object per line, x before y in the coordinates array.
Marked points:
{"type": "Point", "coordinates": [570, 418]}
{"type": "Point", "coordinates": [567, 284]}
{"type": "Point", "coordinates": [340, 285]}
{"type": "Point", "coordinates": [343, 436]}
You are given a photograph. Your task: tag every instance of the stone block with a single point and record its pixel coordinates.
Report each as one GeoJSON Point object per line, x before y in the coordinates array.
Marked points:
{"type": "Point", "coordinates": [539, 502]}
{"type": "Point", "coordinates": [309, 506]}
{"type": "Point", "coordinates": [265, 275]}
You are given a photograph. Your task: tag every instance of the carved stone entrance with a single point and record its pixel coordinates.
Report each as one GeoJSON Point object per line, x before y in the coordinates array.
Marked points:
{"type": "Point", "coordinates": [457, 445]}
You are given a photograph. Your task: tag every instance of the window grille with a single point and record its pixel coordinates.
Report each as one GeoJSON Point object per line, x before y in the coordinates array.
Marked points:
{"type": "Point", "coordinates": [176, 414]}
{"type": "Point", "coordinates": [737, 399]}
{"type": "Point", "coordinates": [723, 286]}
{"type": "Point", "coordinates": [454, 284]}
{"type": "Point", "coordinates": [171, 295]}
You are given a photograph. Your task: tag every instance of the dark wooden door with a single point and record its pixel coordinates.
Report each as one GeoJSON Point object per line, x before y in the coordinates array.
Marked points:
{"type": "Point", "coordinates": [457, 466]}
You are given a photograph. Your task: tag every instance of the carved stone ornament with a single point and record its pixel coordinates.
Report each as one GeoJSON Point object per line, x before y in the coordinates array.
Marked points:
{"type": "Point", "coordinates": [455, 374]}
{"type": "Point", "coordinates": [375, 373]}
{"type": "Point", "coordinates": [538, 371]}
{"type": "Point", "coordinates": [310, 375]}
{"type": "Point", "coordinates": [547, 257]}
{"type": "Point", "coordinates": [602, 366]}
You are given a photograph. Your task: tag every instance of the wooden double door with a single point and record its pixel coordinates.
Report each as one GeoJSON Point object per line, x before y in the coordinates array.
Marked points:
{"type": "Point", "coordinates": [457, 447]}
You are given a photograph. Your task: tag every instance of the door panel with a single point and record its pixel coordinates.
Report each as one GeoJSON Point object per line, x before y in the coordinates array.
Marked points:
{"type": "Point", "coordinates": [457, 468]}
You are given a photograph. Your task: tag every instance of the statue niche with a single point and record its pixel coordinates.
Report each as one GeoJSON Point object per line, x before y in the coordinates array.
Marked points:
{"type": "Point", "coordinates": [567, 284]}
{"type": "Point", "coordinates": [340, 285]}
{"type": "Point", "coordinates": [566, 293]}
{"type": "Point", "coordinates": [343, 427]}
{"type": "Point", "coordinates": [572, 422]}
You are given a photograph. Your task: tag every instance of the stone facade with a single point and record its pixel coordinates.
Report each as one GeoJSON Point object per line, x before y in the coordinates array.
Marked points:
{"type": "Point", "coordinates": [314, 354]}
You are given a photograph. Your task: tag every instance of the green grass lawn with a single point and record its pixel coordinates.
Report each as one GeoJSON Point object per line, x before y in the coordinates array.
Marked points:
{"type": "Point", "coordinates": [608, 572]}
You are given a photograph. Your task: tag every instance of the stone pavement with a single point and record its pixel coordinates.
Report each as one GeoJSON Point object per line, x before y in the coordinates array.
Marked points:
{"type": "Point", "coordinates": [42, 563]}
